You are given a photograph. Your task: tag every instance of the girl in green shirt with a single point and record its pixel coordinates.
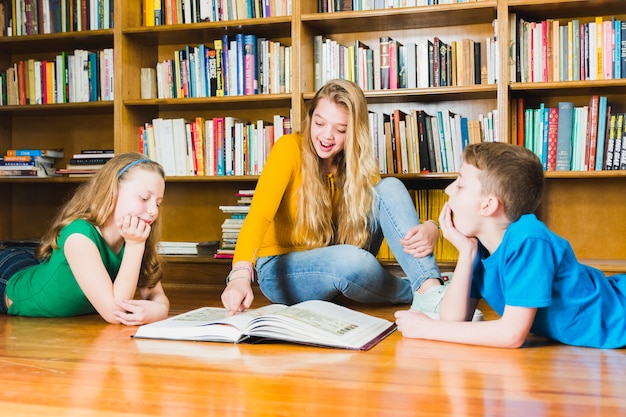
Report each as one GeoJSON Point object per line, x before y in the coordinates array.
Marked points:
{"type": "Point", "coordinates": [101, 248]}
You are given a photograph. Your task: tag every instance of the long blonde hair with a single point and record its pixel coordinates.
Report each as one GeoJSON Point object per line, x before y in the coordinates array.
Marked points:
{"type": "Point", "coordinates": [95, 200]}
{"type": "Point", "coordinates": [357, 174]}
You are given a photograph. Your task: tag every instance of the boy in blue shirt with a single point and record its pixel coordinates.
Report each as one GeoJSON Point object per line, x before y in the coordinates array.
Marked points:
{"type": "Point", "coordinates": [524, 271]}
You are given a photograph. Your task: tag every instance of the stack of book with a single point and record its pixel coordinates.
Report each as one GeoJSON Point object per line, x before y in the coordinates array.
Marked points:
{"type": "Point", "coordinates": [178, 248]}
{"type": "Point", "coordinates": [87, 162]}
{"type": "Point", "coordinates": [29, 162]}
{"type": "Point", "coordinates": [232, 225]}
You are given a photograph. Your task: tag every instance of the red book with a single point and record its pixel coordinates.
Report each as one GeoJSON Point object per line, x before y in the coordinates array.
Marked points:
{"type": "Point", "coordinates": [398, 116]}
{"type": "Point", "coordinates": [553, 133]}
{"type": "Point", "coordinates": [21, 76]}
{"type": "Point", "coordinates": [521, 108]}
{"type": "Point", "coordinates": [592, 134]}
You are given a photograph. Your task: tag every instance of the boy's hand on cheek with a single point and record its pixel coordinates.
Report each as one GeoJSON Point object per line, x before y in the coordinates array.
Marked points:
{"type": "Point", "coordinates": [450, 232]}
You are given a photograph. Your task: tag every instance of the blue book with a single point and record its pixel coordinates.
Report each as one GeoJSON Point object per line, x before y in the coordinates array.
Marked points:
{"type": "Point", "coordinates": [543, 135]}
{"type": "Point", "coordinates": [623, 47]}
{"type": "Point", "coordinates": [240, 64]}
{"type": "Point", "coordinates": [464, 132]}
{"type": "Point", "coordinates": [442, 143]}
{"type": "Point", "coordinates": [564, 140]}
{"type": "Point", "coordinates": [602, 118]}
{"type": "Point", "coordinates": [225, 69]}
{"type": "Point", "coordinates": [617, 54]}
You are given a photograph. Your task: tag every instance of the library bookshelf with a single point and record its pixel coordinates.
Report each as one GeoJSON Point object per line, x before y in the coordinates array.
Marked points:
{"type": "Point", "coordinates": [584, 207]}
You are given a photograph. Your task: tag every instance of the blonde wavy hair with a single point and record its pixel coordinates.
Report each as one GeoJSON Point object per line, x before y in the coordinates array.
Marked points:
{"type": "Point", "coordinates": [356, 176]}
{"type": "Point", "coordinates": [95, 200]}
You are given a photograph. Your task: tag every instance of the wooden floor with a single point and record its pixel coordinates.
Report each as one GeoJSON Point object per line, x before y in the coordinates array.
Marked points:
{"type": "Point", "coordinates": [85, 367]}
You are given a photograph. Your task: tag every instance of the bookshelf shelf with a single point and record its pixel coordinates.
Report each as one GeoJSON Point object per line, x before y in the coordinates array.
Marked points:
{"type": "Point", "coordinates": [229, 102]}
{"type": "Point", "coordinates": [55, 42]}
{"type": "Point", "coordinates": [275, 27]}
{"type": "Point", "coordinates": [402, 18]}
{"type": "Point", "coordinates": [565, 8]}
{"type": "Point", "coordinates": [577, 204]}
{"type": "Point", "coordinates": [92, 107]}
{"type": "Point", "coordinates": [571, 87]}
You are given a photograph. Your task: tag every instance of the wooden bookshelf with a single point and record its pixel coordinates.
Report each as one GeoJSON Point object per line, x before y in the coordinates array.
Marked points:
{"type": "Point", "coordinates": [579, 206]}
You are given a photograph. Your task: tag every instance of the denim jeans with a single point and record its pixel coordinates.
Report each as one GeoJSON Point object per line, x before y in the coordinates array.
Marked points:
{"type": "Point", "coordinates": [12, 260]}
{"type": "Point", "coordinates": [327, 272]}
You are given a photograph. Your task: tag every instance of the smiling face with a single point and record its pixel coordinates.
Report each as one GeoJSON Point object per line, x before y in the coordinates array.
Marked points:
{"type": "Point", "coordinates": [328, 130]}
{"type": "Point", "coordinates": [140, 195]}
{"type": "Point", "coordinates": [466, 200]}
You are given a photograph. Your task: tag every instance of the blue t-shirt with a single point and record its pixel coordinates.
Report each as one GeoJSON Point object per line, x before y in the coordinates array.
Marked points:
{"type": "Point", "coordinates": [535, 268]}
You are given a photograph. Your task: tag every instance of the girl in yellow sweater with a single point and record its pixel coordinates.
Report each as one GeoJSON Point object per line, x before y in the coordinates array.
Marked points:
{"type": "Point", "coordinates": [319, 214]}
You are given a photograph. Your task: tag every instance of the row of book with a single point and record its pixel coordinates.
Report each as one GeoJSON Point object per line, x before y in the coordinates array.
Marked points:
{"type": "Point", "coordinates": [86, 163]}
{"type": "Point", "coordinates": [552, 50]}
{"type": "Point", "coordinates": [245, 65]}
{"type": "Point", "coordinates": [416, 142]}
{"type": "Point", "coordinates": [70, 78]}
{"type": "Point", "coordinates": [29, 162]}
{"type": "Point", "coordinates": [576, 138]}
{"type": "Point", "coordinates": [416, 64]}
{"type": "Point", "coordinates": [33, 17]}
{"type": "Point", "coordinates": [324, 6]}
{"type": "Point", "coordinates": [428, 203]}
{"type": "Point", "coordinates": [173, 12]}
{"type": "Point", "coordinates": [220, 146]}
{"type": "Point", "coordinates": [231, 226]}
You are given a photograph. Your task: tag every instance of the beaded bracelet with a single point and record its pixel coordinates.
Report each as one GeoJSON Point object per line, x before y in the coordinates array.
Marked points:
{"type": "Point", "coordinates": [240, 268]}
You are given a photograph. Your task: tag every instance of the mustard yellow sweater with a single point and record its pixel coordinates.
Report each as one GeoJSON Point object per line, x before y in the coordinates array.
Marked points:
{"type": "Point", "coordinates": [267, 229]}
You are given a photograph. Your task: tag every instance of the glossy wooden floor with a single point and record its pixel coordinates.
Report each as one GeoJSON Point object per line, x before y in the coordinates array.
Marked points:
{"type": "Point", "coordinates": [85, 367]}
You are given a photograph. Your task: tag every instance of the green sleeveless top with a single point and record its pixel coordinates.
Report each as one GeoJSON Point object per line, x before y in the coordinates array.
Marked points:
{"type": "Point", "coordinates": [50, 289]}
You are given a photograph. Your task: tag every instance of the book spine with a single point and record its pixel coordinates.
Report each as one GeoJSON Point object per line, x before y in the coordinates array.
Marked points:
{"type": "Point", "coordinates": [384, 42]}
{"type": "Point", "coordinates": [553, 125]}
{"type": "Point", "coordinates": [619, 138]}
{"type": "Point", "coordinates": [610, 144]}
{"type": "Point", "coordinates": [602, 124]}
{"type": "Point", "coordinates": [250, 65]}
{"type": "Point", "coordinates": [564, 141]}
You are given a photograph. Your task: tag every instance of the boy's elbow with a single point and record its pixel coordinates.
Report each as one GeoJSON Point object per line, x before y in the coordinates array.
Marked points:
{"type": "Point", "coordinates": [513, 340]}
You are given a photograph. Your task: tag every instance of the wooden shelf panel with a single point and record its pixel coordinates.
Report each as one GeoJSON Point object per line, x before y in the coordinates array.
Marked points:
{"type": "Point", "coordinates": [431, 94]}
{"type": "Point", "coordinates": [270, 27]}
{"type": "Point", "coordinates": [256, 101]}
{"type": "Point", "coordinates": [91, 107]}
{"type": "Point", "coordinates": [541, 9]}
{"type": "Point", "coordinates": [56, 42]}
{"type": "Point", "coordinates": [402, 18]}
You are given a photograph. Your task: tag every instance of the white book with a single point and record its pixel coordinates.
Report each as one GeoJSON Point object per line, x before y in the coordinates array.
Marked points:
{"type": "Point", "coordinates": [422, 64]}
{"type": "Point", "coordinates": [209, 148]}
{"type": "Point", "coordinates": [164, 141]}
{"type": "Point", "coordinates": [313, 322]}
{"type": "Point", "coordinates": [229, 145]}
{"type": "Point", "coordinates": [179, 137]}
{"type": "Point", "coordinates": [411, 64]}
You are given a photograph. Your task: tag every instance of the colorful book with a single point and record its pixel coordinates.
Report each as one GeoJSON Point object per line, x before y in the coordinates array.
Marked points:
{"type": "Point", "coordinates": [564, 140]}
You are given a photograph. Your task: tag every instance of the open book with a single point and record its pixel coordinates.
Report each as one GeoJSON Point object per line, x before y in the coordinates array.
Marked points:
{"type": "Point", "coordinates": [316, 323]}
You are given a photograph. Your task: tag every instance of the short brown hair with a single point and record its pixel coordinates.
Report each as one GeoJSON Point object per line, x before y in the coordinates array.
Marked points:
{"type": "Point", "coordinates": [512, 173]}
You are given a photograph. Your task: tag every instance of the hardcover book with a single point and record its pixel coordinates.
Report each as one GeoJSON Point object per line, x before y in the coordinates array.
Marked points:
{"type": "Point", "coordinates": [313, 322]}
{"type": "Point", "coordinates": [564, 139]}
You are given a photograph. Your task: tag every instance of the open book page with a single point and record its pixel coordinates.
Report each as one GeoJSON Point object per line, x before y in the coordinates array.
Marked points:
{"type": "Point", "coordinates": [318, 323]}
{"type": "Point", "coordinates": [205, 324]}
{"type": "Point", "coordinates": [322, 323]}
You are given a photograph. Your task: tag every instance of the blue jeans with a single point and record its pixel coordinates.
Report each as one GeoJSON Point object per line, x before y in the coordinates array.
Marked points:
{"type": "Point", "coordinates": [12, 260]}
{"type": "Point", "coordinates": [325, 273]}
